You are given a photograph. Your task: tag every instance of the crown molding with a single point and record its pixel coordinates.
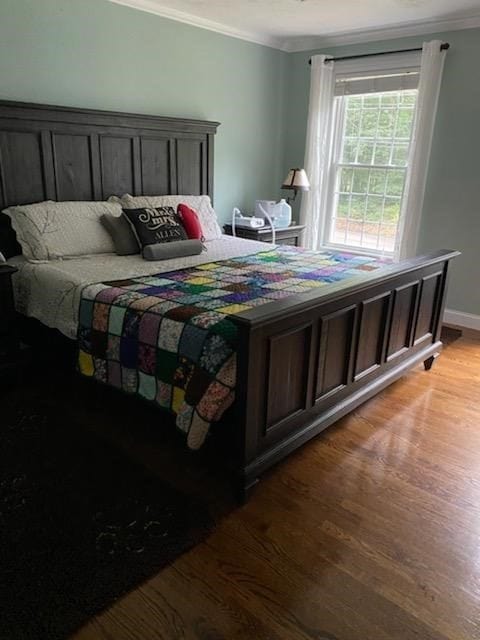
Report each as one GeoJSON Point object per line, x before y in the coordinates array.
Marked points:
{"type": "Point", "coordinates": [294, 44]}
{"type": "Point", "coordinates": [150, 6]}
{"type": "Point", "coordinates": [306, 43]}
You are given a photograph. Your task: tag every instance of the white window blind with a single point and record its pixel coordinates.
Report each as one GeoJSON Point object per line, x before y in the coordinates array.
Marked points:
{"type": "Point", "coordinates": [376, 83]}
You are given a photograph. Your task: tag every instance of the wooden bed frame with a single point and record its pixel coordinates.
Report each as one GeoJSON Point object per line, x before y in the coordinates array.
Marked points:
{"type": "Point", "coordinates": [303, 362]}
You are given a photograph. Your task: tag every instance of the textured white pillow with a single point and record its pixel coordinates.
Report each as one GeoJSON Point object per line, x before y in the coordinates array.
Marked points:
{"type": "Point", "coordinates": [201, 204]}
{"type": "Point", "coordinates": [55, 230]}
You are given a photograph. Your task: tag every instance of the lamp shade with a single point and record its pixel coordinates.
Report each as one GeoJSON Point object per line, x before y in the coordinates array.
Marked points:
{"type": "Point", "coordinates": [296, 180]}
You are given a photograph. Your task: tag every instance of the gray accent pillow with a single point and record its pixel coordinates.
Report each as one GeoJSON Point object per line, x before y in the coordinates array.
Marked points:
{"type": "Point", "coordinates": [166, 250]}
{"type": "Point", "coordinates": [122, 235]}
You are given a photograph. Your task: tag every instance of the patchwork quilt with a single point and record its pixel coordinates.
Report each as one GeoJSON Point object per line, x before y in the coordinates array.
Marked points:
{"type": "Point", "coordinates": [171, 338]}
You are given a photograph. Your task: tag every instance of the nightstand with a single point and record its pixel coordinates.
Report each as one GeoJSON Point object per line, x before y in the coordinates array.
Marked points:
{"type": "Point", "coordinates": [289, 235]}
{"type": "Point", "coordinates": [10, 351]}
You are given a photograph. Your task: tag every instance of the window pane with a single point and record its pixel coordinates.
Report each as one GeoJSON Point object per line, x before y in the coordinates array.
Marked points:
{"type": "Point", "coordinates": [404, 124]}
{"type": "Point", "coordinates": [378, 179]}
{"type": "Point", "coordinates": [391, 211]}
{"type": "Point", "coordinates": [374, 209]}
{"type": "Point", "coordinates": [368, 127]}
{"type": "Point", "coordinates": [360, 180]}
{"type": "Point", "coordinates": [395, 181]}
{"type": "Point", "coordinates": [386, 123]}
{"type": "Point", "coordinates": [382, 153]}
{"type": "Point", "coordinates": [371, 100]}
{"type": "Point", "coordinates": [343, 205]}
{"type": "Point", "coordinates": [352, 123]}
{"type": "Point", "coordinates": [400, 154]}
{"type": "Point", "coordinates": [357, 207]}
{"type": "Point", "coordinates": [349, 150]}
{"type": "Point", "coordinates": [365, 152]}
{"type": "Point", "coordinates": [346, 180]}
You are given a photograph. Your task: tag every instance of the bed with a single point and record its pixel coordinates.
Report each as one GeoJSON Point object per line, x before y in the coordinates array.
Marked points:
{"type": "Point", "coordinates": [303, 360]}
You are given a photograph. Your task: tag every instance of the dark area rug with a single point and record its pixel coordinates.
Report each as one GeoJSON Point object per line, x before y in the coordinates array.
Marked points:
{"type": "Point", "coordinates": [80, 522]}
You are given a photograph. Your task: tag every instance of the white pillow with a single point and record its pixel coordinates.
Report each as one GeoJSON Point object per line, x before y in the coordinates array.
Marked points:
{"type": "Point", "coordinates": [55, 230]}
{"type": "Point", "coordinates": [201, 204]}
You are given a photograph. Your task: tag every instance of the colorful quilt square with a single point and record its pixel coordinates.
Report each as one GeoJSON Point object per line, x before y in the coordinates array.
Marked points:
{"type": "Point", "coordinates": [164, 395]}
{"type": "Point", "coordinates": [178, 397]}
{"type": "Point", "coordinates": [115, 323]}
{"type": "Point", "coordinates": [169, 335]}
{"type": "Point", "coordinates": [148, 328]}
{"type": "Point", "coordinates": [142, 304]}
{"type": "Point", "coordinates": [184, 417]}
{"type": "Point", "coordinates": [113, 348]}
{"type": "Point", "coordinates": [197, 387]}
{"type": "Point", "coordinates": [200, 280]}
{"type": "Point", "coordinates": [100, 316]}
{"type": "Point", "coordinates": [192, 341]}
{"type": "Point", "coordinates": [207, 319]}
{"type": "Point", "coordinates": [129, 380]}
{"type": "Point", "coordinates": [213, 304]}
{"type": "Point", "coordinates": [190, 299]}
{"type": "Point", "coordinates": [214, 293]}
{"type": "Point", "coordinates": [233, 308]}
{"type": "Point", "coordinates": [166, 365]}
{"type": "Point", "coordinates": [239, 297]}
{"type": "Point", "coordinates": [131, 324]}
{"type": "Point", "coordinates": [85, 363]}
{"type": "Point", "coordinates": [85, 339]}
{"type": "Point", "coordinates": [147, 358]}
{"type": "Point", "coordinates": [214, 353]}
{"type": "Point", "coordinates": [115, 374]}
{"type": "Point", "coordinates": [85, 315]}
{"type": "Point", "coordinates": [147, 386]}
{"type": "Point", "coordinates": [183, 314]}
{"type": "Point", "coordinates": [129, 352]}
{"type": "Point", "coordinates": [183, 372]}
{"type": "Point", "coordinates": [162, 307]}
{"type": "Point", "coordinates": [100, 365]}
{"type": "Point", "coordinates": [99, 343]}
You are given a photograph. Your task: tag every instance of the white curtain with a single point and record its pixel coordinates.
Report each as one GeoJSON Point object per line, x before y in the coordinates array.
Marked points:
{"type": "Point", "coordinates": [318, 149]}
{"type": "Point", "coordinates": [431, 70]}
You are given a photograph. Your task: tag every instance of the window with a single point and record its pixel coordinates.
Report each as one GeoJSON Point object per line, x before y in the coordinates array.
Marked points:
{"type": "Point", "coordinates": [372, 135]}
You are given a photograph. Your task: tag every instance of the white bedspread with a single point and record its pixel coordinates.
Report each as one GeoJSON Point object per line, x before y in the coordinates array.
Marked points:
{"type": "Point", "coordinates": [51, 292]}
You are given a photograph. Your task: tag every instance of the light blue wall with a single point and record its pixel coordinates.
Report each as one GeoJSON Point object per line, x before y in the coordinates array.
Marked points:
{"type": "Point", "coordinates": [95, 54]}
{"type": "Point", "coordinates": [451, 217]}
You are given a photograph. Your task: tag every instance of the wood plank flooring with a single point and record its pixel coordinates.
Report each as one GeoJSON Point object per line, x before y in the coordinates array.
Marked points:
{"type": "Point", "coordinates": [369, 532]}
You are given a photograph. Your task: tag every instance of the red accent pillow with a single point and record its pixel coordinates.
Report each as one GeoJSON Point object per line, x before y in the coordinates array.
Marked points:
{"type": "Point", "coordinates": [190, 222]}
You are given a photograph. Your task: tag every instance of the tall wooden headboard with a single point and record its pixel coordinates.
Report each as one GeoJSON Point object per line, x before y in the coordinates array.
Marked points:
{"type": "Point", "coordinates": [58, 153]}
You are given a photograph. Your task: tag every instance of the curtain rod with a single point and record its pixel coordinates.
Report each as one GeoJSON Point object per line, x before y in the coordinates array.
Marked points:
{"type": "Point", "coordinates": [443, 47]}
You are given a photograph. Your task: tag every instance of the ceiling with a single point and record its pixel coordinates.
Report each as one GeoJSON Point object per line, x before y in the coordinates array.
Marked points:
{"type": "Point", "coordinates": [294, 25]}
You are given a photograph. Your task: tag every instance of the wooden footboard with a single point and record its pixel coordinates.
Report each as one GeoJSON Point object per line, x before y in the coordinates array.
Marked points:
{"type": "Point", "coordinates": [304, 362]}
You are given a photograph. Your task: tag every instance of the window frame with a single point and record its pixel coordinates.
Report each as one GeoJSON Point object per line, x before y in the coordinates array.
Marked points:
{"type": "Point", "coordinates": [403, 62]}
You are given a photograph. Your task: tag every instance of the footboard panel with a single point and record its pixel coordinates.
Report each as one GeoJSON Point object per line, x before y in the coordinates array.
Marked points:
{"type": "Point", "coordinates": [307, 363]}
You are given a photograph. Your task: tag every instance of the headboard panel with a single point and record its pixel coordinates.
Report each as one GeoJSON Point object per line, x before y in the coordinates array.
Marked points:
{"type": "Point", "coordinates": [58, 153]}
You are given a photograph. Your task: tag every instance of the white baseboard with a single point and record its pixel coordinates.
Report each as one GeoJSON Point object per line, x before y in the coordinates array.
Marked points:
{"type": "Point", "coordinates": [462, 319]}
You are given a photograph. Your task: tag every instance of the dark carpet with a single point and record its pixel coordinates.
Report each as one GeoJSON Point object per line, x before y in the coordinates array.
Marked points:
{"type": "Point", "coordinates": [80, 523]}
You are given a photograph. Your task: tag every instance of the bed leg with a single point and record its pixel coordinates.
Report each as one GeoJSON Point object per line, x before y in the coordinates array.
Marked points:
{"type": "Point", "coordinates": [428, 363]}
{"type": "Point", "coordinates": [244, 489]}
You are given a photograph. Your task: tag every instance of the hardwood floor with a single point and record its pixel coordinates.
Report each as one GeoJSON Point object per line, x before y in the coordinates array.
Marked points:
{"type": "Point", "coordinates": [369, 532]}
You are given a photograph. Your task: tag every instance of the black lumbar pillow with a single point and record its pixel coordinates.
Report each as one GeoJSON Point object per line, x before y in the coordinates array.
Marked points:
{"type": "Point", "coordinates": [155, 225]}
